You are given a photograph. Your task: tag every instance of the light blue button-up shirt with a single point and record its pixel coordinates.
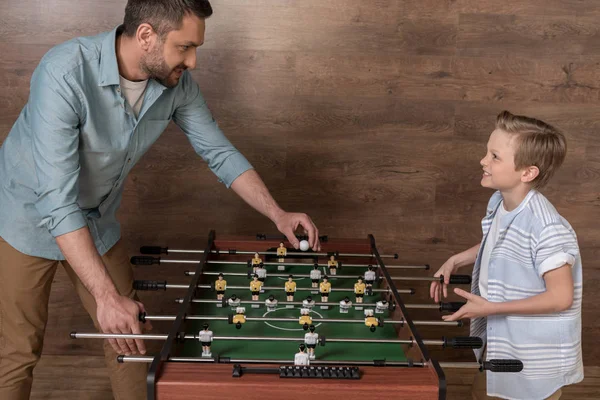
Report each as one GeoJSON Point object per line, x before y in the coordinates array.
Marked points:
{"type": "Point", "coordinates": [532, 240]}
{"type": "Point", "coordinates": [63, 164]}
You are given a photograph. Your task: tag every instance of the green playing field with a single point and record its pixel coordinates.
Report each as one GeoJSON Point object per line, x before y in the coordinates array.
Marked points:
{"type": "Point", "coordinates": [285, 350]}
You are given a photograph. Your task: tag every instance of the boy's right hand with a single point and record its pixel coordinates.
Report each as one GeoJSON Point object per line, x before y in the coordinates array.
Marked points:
{"type": "Point", "coordinates": [447, 269]}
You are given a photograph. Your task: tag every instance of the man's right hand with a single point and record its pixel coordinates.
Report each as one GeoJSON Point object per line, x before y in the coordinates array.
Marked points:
{"type": "Point", "coordinates": [120, 314]}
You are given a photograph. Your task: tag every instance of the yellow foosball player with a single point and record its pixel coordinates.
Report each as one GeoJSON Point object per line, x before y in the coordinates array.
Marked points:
{"type": "Point", "coordinates": [325, 289]}
{"type": "Point", "coordinates": [359, 290]}
{"type": "Point", "coordinates": [371, 321]}
{"type": "Point", "coordinates": [220, 286]}
{"type": "Point", "coordinates": [256, 261]}
{"type": "Point", "coordinates": [255, 286]}
{"type": "Point", "coordinates": [290, 288]}
{"type": "Point", "coordinates": [239, 318]}
{"type": "Point", "coordinates": [281, 253]}
{"type": "Point", "coordinates": [333, 265]}
{"type": "Point", "coordinates": [305, 319]}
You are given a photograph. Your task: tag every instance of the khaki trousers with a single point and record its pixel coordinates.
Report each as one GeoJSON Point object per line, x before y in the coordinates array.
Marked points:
{"type": "Point", "coordinates": [25, 283]}
{"type": "Point", "coordinates": [479, 388]}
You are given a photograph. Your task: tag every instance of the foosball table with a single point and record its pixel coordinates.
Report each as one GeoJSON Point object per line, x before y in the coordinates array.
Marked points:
{"type": "Point", "coordinates": [260, 320]}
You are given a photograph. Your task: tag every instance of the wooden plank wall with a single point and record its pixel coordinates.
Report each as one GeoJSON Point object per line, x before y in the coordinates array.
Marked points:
{"type": "Point", "coordinates": [371, 116]}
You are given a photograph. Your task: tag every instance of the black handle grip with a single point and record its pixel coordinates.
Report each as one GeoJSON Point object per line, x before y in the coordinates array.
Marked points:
{"type": "Point", "coordinates": [144, 260]}
{"type": "Point", "coordinates": [460, 279]}
{"type": "Point", "coordinates": [150, 285]}
{"type": "Point", "coordinates": [503, 365]}
{"type": "Point", "coordinates": [452, 306]}
{"type": "Point", "coordinates": [154, 250]}
{"type": "Point", "coordinates": [467, 342]}
{"type": "Point", "coordinates": [142, 317]}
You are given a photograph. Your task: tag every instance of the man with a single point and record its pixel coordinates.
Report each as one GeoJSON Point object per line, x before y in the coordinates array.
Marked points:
{"type": "Point", "coordinates": [96, 105]}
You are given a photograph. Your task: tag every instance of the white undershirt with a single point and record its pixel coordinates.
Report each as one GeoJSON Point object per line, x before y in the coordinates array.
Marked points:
{"type": "Point", "coordinates": [488, 246]}
{"type": "Point", "coordinates": [134, 93]}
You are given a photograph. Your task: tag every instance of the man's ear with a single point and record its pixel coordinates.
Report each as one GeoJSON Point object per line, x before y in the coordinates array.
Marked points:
{"type": "Point", "coordinates": [146, 36]}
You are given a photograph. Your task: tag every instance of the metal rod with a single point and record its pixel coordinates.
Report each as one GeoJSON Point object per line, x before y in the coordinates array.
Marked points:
{"type": "Point", "coordinates": [298, 289]}
{"type": "Point", "coordinates": [290, 264]}
{"type": "Point", "coordinates": [270, 319]}
{"type": "Point", "coordinates": [81, 335]}
{"type": "Point", "coordinates": [299, 303]}
{"type": "Point", "coordinates": [147, 359]}
{"type": "Point", "coordinates": [289, 254]}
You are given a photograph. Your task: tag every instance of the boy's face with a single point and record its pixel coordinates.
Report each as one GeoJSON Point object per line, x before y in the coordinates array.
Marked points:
{"type": "Point", "coordinates": [499, 162]}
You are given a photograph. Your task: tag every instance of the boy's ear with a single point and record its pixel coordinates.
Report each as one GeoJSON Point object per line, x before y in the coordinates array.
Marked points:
{"type": "Point", "coordinates": [529, 174]}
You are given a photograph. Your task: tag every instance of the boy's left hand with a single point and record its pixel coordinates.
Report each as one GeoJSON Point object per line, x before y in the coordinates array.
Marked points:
{"type": "Point", "coordinates": [476, 307]}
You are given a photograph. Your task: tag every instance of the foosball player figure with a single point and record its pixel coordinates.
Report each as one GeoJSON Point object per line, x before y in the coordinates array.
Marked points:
{"type": "Point", "coordinates": [315, 276]}
{"type": "Point", "coordinates": [359, 290]}
{"type": "Point", "coordinates": [371, 321]}
{"type": "Point", "coordinates": [345, 305]}
{"type": "Point", "coordinates": [305, 319]}
{"type": "Point", "coordinates": [256, 261]}
{"type": "Point", "coordinates": [308, 302]}
{"type": "Point", "coordinates": [381, 306]}
{"type": "Point", "coordinates": [370, 277]}
{"type": "Point", "coordinates": [302, 358]}
{"type": "Point", "coordinates": [233, 301]}
{"type": "Point", "coordinates": [325, 289]}
{"type": "Point", "coordinates": [333, 265]}
{"type": "Point", "coordinates": [281, 252]}
{"type": "Point", "coordinates": [271, 303]}
{"type": "Point", "coordinates": [220, 286]}
{"type": "Point", "coordinates": [311, 339]}
{"type": "Point", "coordinates": [239, 318]}
{"type": "Point", "coordinates": [205, 337]}
{"type": "Point", "coordinates": [255, 286]}
{"type": "Point", "coordinates": [261, 271]}
{"type": "Point", "coordinates": [290, 288]}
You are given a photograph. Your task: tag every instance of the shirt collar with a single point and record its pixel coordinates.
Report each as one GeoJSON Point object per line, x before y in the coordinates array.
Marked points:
{"type": "Point", "coordinates": [109, 68]}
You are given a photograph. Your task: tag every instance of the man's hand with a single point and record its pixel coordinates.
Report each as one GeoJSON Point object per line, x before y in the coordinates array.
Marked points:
{"type": "Point", "coordinates": [288, 223]}
{"type": "Point", "coordinates": [476, 307]}
{"type": "Point", "coordinates": [120, 314]}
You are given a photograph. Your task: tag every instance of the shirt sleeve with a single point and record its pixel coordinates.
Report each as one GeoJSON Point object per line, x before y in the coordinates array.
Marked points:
{"type": "Point", "coordinates": [55, 140]}
{"type": "Point", "coordinates": [557, 246]}
{"type": "Point", "coordinates": [203, 132]}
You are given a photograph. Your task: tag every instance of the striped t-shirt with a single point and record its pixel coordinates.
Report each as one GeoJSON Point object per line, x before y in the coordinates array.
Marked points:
{"type": "Point", "coordinates": [531, 238]}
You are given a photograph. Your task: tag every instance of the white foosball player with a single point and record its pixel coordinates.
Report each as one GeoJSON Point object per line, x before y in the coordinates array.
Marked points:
{"type": "Point", "coordinates": [345, 305]}
{"type": "Point", "coordinates": [381, 306]}
{"type": "Point", "coordinates": [233, 302]}
{"type": "Point", "coordinates": [271, 303]}
{"type": "Point", "coordinates": [311, 339]}
{"type": "Point", "coordinates": [302, 358]}
{"type": "Point", "coordinates": [205, 337]}
{"type": "Point", "coordinates": [308, 303]}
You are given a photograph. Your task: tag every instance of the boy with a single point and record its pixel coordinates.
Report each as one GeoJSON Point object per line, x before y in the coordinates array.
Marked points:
{"type": "Point", "coordinates": [527, 279]}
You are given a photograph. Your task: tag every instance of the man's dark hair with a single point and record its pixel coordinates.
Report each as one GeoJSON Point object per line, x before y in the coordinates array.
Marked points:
{"type": "Point", "coordinates": [163, 15]}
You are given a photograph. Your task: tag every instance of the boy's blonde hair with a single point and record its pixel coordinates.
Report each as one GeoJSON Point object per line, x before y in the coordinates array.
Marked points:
{"type": "Point", "coordinates": [538, 144]}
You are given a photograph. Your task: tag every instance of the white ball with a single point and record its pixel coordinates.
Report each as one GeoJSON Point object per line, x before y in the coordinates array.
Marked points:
{"type": "Point", "coordinates": [303, 245]}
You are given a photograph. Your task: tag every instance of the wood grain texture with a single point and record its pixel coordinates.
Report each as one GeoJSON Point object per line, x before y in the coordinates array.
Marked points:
{"type": "Point", "coordinates": [369, 116]}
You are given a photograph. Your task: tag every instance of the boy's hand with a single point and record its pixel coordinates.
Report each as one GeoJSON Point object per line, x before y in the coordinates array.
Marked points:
{"type": "Point", "coordinates": [447, 269]}
{"type": "Point", "coordinates": [476, 307]}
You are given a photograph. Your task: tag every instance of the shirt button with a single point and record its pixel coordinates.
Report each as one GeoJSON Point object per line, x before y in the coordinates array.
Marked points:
{"type": "Point", "coordinates": [129, 161]}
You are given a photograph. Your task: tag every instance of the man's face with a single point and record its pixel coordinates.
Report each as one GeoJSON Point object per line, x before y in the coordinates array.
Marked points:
{"type": "Point", "coordinates": [169, 57]}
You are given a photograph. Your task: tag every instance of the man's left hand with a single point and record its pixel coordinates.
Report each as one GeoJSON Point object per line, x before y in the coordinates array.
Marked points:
{"type": "Point", "coordinates": [476, 307]}
{"type": "Point", "coordinates": [288, 223]}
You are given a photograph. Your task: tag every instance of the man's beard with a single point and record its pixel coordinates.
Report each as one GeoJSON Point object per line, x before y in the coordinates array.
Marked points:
{"type": "Point", "coordinates": [156, 67]}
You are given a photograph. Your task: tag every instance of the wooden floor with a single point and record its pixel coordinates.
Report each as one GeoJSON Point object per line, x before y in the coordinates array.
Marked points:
{"type": "Point", "coordinates": [85, 378]}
